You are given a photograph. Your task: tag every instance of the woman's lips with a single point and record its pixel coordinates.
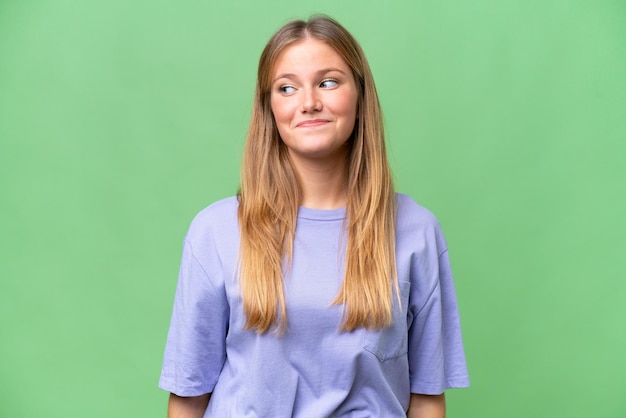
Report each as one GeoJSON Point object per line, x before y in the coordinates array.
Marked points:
{"type": "Point", "coordinates": [312, 123]}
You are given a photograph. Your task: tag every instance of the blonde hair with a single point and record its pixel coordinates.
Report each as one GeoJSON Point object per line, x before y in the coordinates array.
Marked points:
{"type": "Point", "coordinates": [270, 195]}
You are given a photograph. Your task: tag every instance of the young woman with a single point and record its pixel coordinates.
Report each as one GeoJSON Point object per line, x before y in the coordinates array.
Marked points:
{"type": "Point", "coordinates": [317, 291]}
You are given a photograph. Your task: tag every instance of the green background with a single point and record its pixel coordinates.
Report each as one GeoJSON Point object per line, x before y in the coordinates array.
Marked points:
{"type": "Point", "coordinates": [119, 120]}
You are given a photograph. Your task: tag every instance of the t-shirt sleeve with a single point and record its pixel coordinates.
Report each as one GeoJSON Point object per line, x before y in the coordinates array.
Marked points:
{"type": "Point", "coordinates": [195, 348]}
{"type": "Point", "coordinates": [436, 354]}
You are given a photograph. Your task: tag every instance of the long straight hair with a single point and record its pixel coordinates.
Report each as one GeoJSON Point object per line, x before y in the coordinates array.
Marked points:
{"type": "Point", "coordinates": [270, 195]}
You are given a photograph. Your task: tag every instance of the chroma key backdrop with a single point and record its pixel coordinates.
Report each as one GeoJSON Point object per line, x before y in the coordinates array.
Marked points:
{"type": "Point", "coordinates": [119, 120]}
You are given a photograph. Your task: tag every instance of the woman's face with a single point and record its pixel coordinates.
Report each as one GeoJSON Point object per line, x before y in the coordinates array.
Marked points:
{"type": "Point", "coordinates": [314, 101]}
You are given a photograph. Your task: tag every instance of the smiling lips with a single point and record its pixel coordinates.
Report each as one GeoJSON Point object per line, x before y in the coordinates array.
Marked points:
{"type": "Point", "coordinates": [312, 123]}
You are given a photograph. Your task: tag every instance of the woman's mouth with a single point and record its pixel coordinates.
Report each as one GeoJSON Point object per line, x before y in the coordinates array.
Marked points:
{"type": "Point", "coordinates": [312, 123]}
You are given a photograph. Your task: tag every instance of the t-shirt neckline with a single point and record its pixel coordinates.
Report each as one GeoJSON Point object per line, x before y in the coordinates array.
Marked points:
{"type": "Point", "coordinates": [321, 214]}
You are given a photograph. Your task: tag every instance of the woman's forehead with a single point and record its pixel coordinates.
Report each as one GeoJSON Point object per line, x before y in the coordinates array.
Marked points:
{"type": "Point", "coordinates": [306, 56]}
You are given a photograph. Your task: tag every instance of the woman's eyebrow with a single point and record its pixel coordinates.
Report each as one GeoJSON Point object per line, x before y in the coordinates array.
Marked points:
{"type": "Point", "coordinates": [329, 70]}
{"type": "Point", "coordinates": [323, 71]}
{"type": "Point", "coordinates": [286, 75]}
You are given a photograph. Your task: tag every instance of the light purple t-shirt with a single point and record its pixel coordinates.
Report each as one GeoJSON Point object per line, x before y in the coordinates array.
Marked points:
{"type": "Point", "coordinates": [312, 370]}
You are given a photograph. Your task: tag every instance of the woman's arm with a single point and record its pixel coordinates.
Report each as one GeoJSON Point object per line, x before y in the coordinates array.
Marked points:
{"type": "Point", "coordinates": [427, 406]}
{"type": "Point", "coordinates": [187, 407]}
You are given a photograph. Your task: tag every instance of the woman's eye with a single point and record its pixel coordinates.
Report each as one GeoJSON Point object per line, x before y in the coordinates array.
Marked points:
{"type": "Point", "coordinates": [287, 89]}
{"type": "Point", "coordinates": [328, 84]}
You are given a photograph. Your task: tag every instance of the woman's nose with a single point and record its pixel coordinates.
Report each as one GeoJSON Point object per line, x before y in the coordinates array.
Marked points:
{"type": "Point", "coordinates": [310, 102]}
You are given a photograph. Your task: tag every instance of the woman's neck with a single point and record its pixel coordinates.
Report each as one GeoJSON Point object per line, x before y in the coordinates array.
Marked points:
{"type": "Point", "coordinates": [324, 186]}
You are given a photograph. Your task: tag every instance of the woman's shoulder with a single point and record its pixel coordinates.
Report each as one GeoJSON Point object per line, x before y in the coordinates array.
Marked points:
{"type": "Point", "coordinates": [222, 207]}
{"type": "Point", "coordinates": [218, 217]}
{"type": "Point", "coordinates": [416, 224]}
{"type": "Point", "coordinates": [409, 211]}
